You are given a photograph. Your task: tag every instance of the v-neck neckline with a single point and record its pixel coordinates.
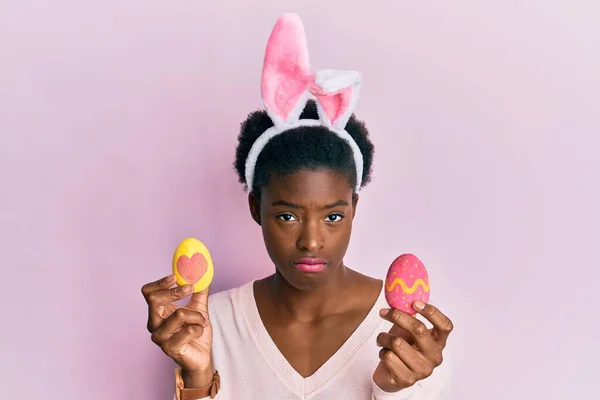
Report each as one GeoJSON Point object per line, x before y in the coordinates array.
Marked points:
{"type": "Point", "coordinates": [280, 365]}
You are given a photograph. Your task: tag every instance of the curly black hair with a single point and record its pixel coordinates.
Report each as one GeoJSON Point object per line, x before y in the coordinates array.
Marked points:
{"type": "Point", "coordinates": [302, 148]}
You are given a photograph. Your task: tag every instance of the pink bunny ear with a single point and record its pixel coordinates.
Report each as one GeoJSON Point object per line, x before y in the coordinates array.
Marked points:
{"type": "Point", "coordinates": [336, 93]}
{"type": "Point", "coordinates": [286, 70]}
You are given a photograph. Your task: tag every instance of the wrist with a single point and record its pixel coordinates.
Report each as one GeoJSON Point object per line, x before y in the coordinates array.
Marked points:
{"type": "Point", "coordinates": [197, 379]}
{"type": "Point", "coordinates": [406, 393]}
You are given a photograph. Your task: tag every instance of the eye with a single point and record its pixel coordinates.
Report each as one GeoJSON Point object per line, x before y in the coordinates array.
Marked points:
{"type": "Point", "coordinates": [335, 217]}
{"type": "Point", "coordinates": [287, 217]}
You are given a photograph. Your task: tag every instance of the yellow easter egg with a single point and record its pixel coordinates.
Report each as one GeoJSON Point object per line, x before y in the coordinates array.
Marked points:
{"type": "Point", "coordinates": [192, 264]}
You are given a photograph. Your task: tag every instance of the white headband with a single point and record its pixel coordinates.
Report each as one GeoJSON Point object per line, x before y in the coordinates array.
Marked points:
{"type": "Point", "coordinates": [287, 84]}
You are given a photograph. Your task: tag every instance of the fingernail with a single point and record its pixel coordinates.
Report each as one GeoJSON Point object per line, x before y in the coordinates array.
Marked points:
{"type": "Point", "coordinates": [383, 312]}
{"type": "Point", "coordinates": [187, 288]}
{"type": "Point", "coordinates": [418, 305]}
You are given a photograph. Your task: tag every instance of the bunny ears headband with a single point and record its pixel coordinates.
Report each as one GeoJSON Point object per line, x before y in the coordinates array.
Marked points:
{"type": "Point", "coordinates": [287, 84]}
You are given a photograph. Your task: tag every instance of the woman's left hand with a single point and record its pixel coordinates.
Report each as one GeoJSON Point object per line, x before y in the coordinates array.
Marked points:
{"type": "Point", "coordinates": [410, 352]}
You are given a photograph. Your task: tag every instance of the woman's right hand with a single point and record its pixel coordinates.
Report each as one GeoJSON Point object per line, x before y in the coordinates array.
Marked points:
{"type": "Point", "coordinates": [183, 333]}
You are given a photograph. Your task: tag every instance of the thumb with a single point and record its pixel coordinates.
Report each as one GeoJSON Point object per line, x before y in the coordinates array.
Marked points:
{"type": "Point", "coordinates": [199, 301]}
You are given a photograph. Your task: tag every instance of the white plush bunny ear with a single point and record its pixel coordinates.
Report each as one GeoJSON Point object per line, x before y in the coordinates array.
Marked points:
{"type": "Point", "coordinates": [286, 71]}
{"type": "Point", "coordinates": [336, 93]}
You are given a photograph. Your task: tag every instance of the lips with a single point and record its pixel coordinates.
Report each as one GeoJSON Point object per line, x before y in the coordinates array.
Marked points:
{"type": "Point", "coordinates": [310, 264]}
{"type": "Point", "coordinates": [310, 261]}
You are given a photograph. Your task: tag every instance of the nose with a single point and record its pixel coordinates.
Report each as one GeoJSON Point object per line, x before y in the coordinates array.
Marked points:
{"type": "Point", "coordinates": [311, 237]}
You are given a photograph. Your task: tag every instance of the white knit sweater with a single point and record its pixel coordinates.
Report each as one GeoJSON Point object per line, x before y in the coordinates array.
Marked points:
{"type": "Point", "coordinates": [252, 367]}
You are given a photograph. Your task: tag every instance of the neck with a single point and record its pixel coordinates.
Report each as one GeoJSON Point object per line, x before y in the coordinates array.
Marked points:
{"type": "Point", "coordinates": [309, 304]}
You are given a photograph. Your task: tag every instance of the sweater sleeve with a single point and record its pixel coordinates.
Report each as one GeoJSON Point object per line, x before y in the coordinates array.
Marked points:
{"type": "Point", "coordinates": [411, 393]}
{"type": "Point", "coordinates": [415, 392]}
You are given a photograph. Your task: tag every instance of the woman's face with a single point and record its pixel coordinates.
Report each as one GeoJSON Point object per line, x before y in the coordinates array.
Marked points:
{"type": "Point", "coordinates": [306, 219]}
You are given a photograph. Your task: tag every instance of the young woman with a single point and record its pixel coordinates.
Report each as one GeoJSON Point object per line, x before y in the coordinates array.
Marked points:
{"type": "Point", "coordinates": [315, 329]}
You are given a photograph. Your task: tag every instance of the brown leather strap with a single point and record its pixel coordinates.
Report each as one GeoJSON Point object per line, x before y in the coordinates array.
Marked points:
{"type": "Point", "coordinates": [183, 393]}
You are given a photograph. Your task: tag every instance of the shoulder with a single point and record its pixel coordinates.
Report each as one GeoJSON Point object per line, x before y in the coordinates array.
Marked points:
{"type": "Point", "coordinates": [366, 292]}
{"type": "Point", "coordinates": [228, 302]}
{"type": "Point", "coordinates": [224, 297]}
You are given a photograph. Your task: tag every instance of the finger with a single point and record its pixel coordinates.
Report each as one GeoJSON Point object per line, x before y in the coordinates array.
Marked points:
{"type": "Point", "coordinates": [165, 296]}
{"type": "Point", "coordinates": [182, 337]}
{"type": "Point", "coordinates": [417, 329]}
{"type": "Point", "coordinates": [397, 331]}
{"type": "Point", "coordinates": [406, 353]}
{"type": "Point", "coordinates": [400, 373]}
{"type": "Point", "coordinates": [160, 304]}
{"type": "Point", "coordinates": [163, 283]}
{"type": "Point", "coordinates": [199, 301]}
{"type": "Point", "coordinates": [442, 325]}
{"type": "Point", "coordinates": [175, 322]}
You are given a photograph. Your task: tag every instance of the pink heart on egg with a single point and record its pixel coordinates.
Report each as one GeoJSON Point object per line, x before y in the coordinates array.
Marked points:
{"type": "Point", "coordinates": [192, 269]}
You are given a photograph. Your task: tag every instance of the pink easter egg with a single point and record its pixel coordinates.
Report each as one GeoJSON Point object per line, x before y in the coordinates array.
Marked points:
{"type": "Point", "coordinates": [406, 281]}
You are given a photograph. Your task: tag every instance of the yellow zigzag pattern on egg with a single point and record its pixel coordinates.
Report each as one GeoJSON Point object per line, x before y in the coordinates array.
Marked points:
{"type": "Point", "coordinates": [405, 288]}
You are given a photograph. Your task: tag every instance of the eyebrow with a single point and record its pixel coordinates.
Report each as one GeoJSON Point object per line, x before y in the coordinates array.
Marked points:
{"type": "Point", "coordinates": [292, 205]}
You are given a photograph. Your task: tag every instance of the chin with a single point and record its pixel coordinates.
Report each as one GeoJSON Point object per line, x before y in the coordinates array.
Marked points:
{"type": "Point", "coordinates": [305, 281]}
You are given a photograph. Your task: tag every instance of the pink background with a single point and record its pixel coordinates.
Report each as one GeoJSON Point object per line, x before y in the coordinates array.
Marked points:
{"type": "Point", "coordinates": [118, 121]}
